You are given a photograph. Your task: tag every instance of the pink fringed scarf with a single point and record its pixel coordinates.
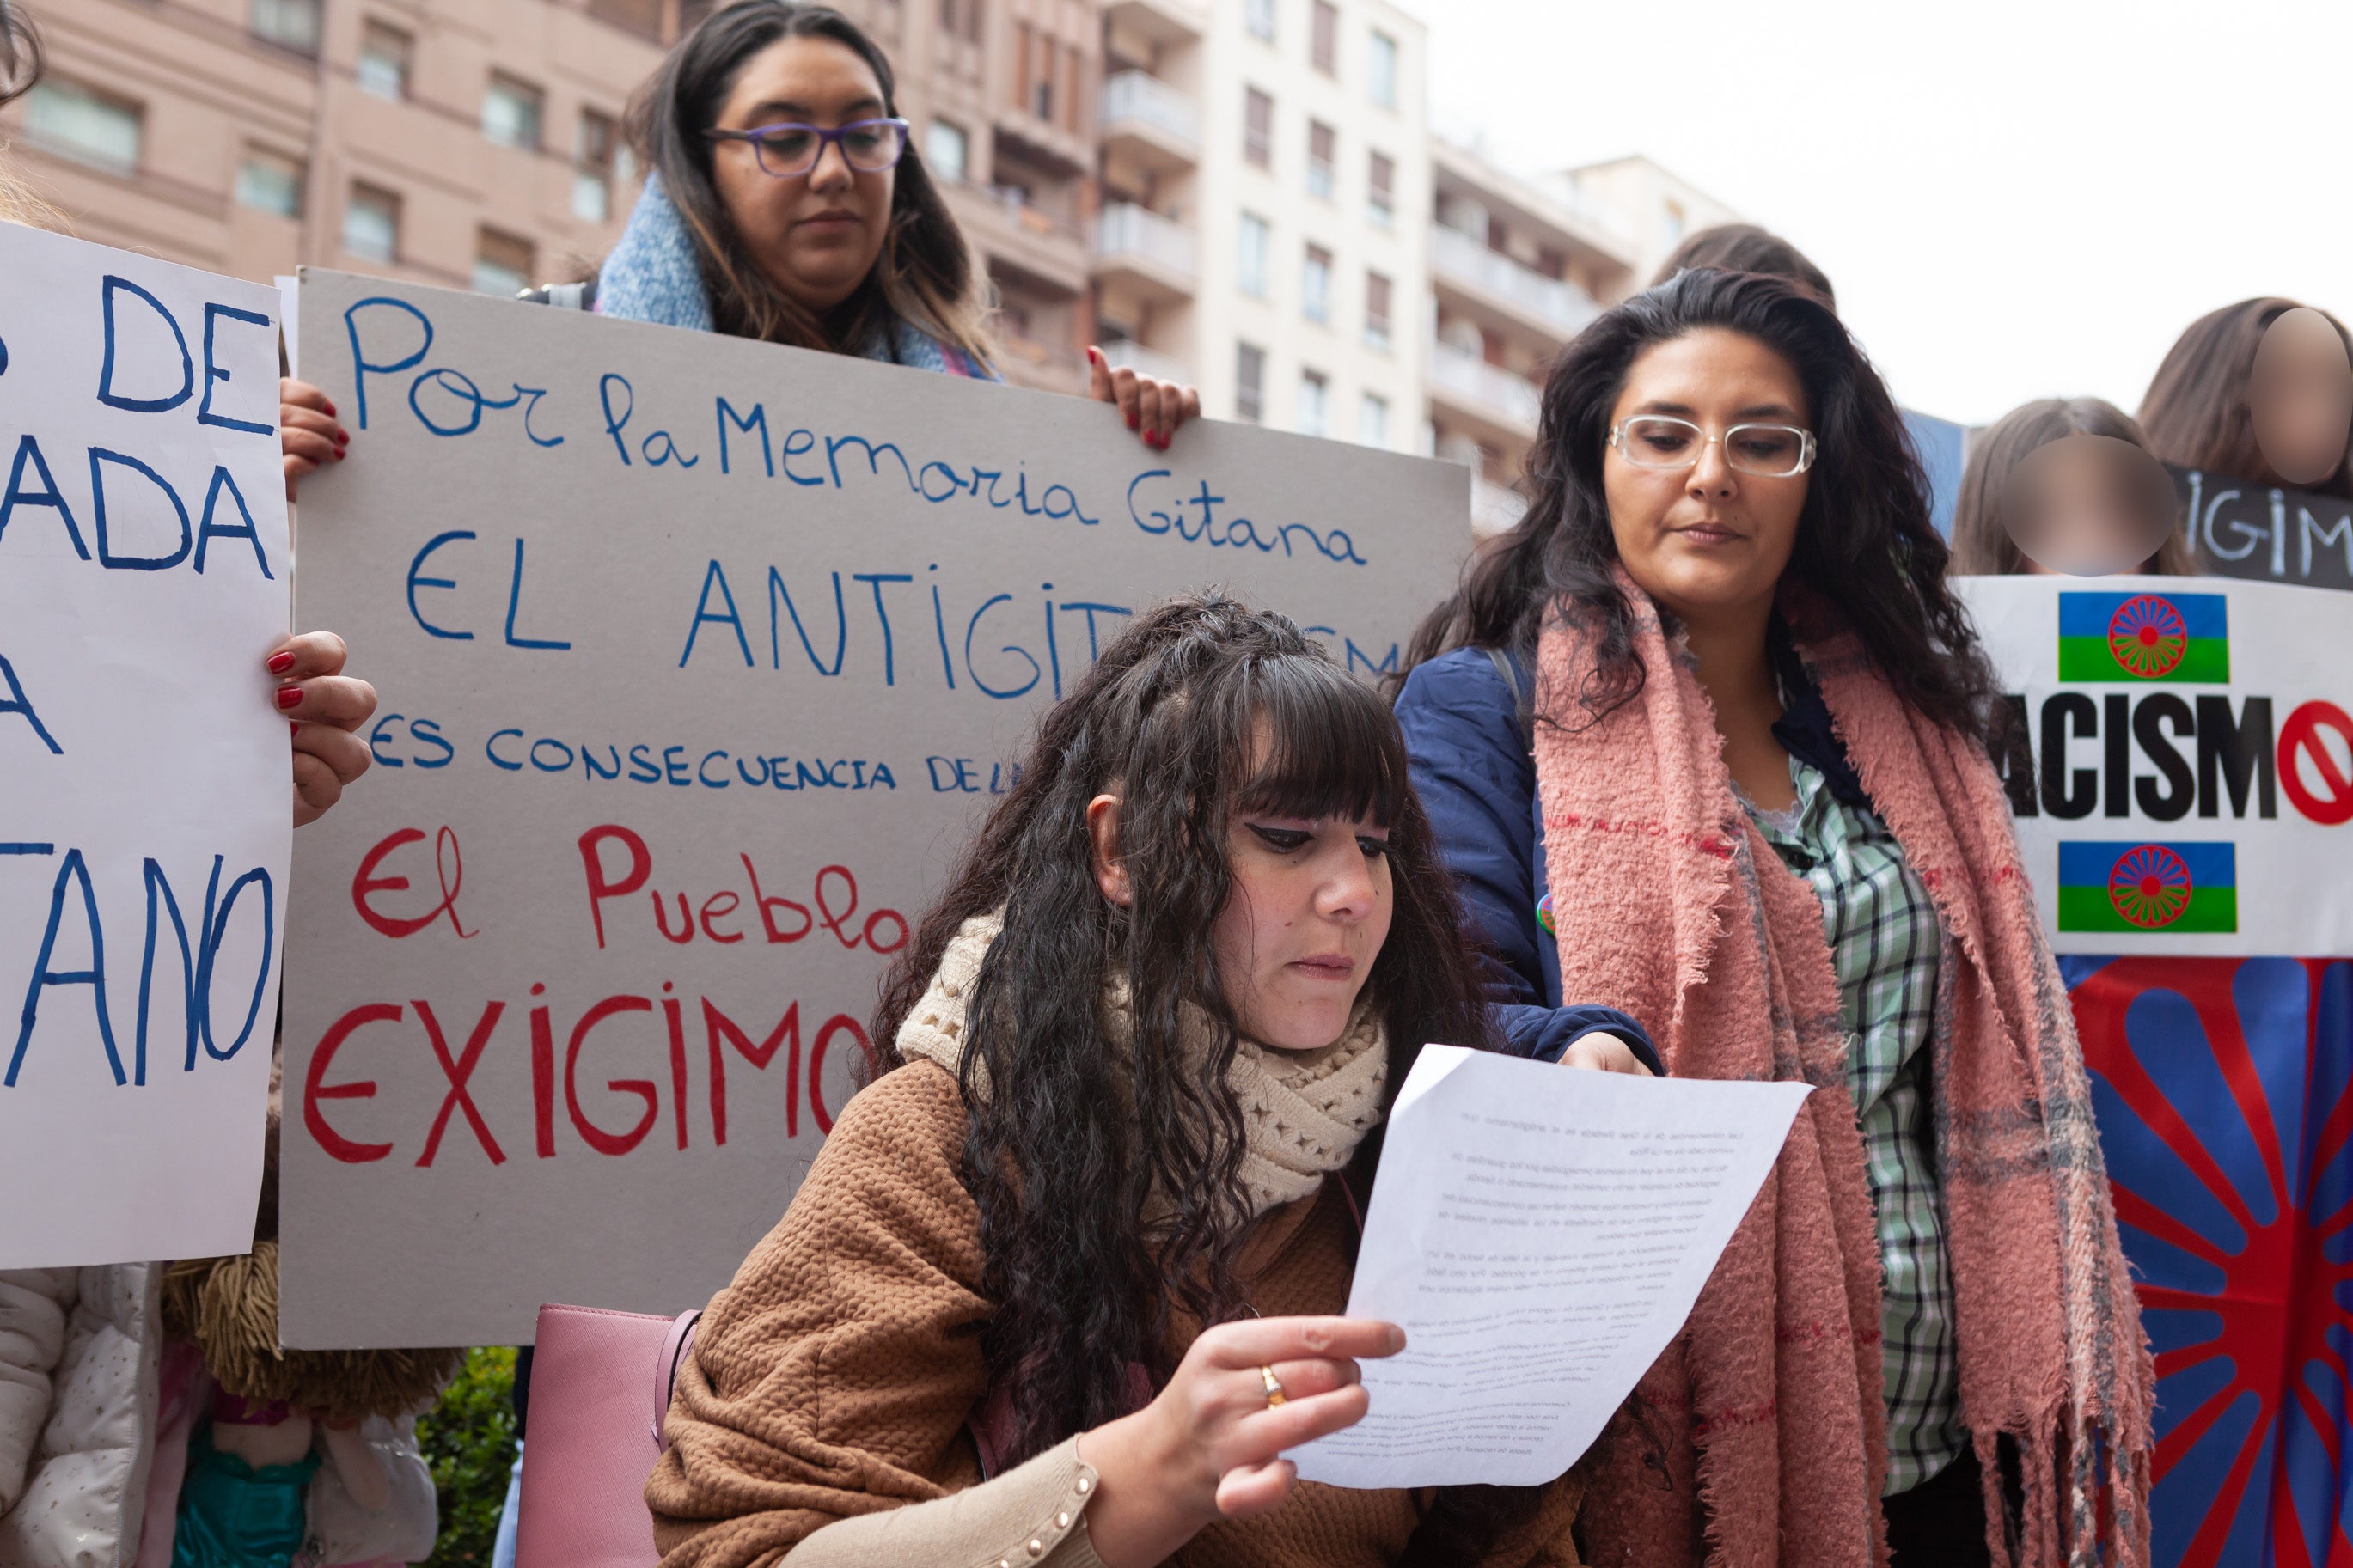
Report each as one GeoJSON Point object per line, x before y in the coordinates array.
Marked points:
{"type": "Point", "coordinates": [1673, 906]}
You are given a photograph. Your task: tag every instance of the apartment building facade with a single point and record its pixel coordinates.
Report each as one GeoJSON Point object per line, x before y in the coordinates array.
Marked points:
{"type": "Point", "coordinates": [1516, 271]}
{"type": "Point", "coordinates": [1241, 195]}
{"type": "Point", "coordinates": [478, 143]}
{"type": "Point", "coordinates": [1264, 166]}
{"type": "Point", "coordinates": [469, 144]}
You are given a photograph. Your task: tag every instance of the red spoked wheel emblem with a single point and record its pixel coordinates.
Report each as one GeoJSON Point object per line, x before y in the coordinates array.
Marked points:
{"type": "Point", "coordinates": [2147, 635]}
{"type": "Point", "coordinates": [2150, 887]}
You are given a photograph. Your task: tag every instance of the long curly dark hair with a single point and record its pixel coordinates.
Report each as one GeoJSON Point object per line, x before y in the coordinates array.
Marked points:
{"type": "Point", "coordinates": [1201, 708]}
{"type": "Point", "coordinates": [1865, 545]}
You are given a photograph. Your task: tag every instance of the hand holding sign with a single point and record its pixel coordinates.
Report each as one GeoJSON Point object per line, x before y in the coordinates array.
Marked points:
{"type": "Point", "coordinates": [326, 707]}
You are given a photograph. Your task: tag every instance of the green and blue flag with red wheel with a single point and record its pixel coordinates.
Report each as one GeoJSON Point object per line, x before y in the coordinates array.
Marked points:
{"type": "Point", "coordinates": [2138, 887]}
{"type": "Point", "coordinates": [2181, 638]}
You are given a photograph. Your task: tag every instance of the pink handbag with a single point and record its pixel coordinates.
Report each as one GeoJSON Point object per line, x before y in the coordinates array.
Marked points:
{"type": "Point", "coordinates": [600, 1385]}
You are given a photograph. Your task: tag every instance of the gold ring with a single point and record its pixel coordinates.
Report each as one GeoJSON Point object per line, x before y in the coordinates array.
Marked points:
{"type": "Point", "coordinates": [1274, 1395]}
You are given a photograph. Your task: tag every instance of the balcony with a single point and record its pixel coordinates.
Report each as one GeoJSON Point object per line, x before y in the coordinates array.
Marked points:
{"type": "Point", "coordinates": [1162, 21]}
{"type": "Point", "coordinates": [1155, 256]}
{"type": "Point", "coordinates": [1558, 310]}
{"type": "Point", "coordinates": [1006, 226]}
{"type": "Point", "coordinates": [1148, 362]}
{"type": "Point", "coordinates": [1507, 404]}
{"type": "Point", "coordinates": [1150, 120]}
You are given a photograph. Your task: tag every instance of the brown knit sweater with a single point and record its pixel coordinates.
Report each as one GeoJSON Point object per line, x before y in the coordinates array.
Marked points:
{"type": "Point", "coordinates": [835, 1375]}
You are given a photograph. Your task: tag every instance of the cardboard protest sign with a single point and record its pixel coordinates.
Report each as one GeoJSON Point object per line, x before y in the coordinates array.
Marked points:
{"type": "Point", "coordinates": [143, 782]}
{"type": "Point", "coordinates": [2253, 531]}
{"type": "Point", "coordinates": [699, 660]}
{"type": "Point", "coordinates": [2191, 787]}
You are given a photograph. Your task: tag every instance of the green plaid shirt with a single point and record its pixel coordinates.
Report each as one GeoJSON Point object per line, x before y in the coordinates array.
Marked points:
{"type": "Point", "coordinates": [1885, 939]}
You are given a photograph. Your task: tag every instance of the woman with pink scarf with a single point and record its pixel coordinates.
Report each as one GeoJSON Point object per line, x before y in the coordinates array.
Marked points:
{"type": "Point", "coordinates": [1705, 738]}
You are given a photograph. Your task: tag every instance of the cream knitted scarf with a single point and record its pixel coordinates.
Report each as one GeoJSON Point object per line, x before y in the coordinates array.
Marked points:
{"type": "Point", "coordinates": [1303, 1112]}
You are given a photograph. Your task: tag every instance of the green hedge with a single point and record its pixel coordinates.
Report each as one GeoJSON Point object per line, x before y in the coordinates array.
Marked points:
{"type": "Point", "coordinates": [469, 1441]}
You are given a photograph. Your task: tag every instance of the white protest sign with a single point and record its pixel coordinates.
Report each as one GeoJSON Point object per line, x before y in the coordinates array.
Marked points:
{"type": "Point", "coordinates": [2191, 784]}
{"type": "Point", "coordinates": [144, 793]}
{"type": "Point", "coordinates": [699, 658]}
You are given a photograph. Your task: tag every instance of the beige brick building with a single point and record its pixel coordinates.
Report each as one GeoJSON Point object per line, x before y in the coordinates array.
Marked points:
{"type": "Point", "coordinates": [476, 143]}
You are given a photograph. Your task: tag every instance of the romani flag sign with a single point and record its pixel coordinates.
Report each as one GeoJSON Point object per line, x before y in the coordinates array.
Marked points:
{"type": "Point", "coordinates": [2181, 638]}
{"type": "Point", "coordinates": [2133, 885]}
{"type": "Point", "coordinates": [2189, 803]}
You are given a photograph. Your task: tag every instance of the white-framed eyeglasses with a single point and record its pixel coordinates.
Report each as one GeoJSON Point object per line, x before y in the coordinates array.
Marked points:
{"type": "Point", "coordinates": [1662, 441]}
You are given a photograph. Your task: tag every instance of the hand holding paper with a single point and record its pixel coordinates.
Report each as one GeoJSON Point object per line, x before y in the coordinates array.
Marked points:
{"type": "Point", "coordinates": [1540, 1236]}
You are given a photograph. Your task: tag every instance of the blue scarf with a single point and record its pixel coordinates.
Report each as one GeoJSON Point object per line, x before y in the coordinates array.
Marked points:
{"type": "Point", "coordinates": [654, 275]}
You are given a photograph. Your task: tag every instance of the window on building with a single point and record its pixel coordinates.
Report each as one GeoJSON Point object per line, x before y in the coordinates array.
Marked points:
{"type": "Point", "coordinates": [89, 127]}
{"type": "Point", "coordinates": [271, 183]}
{"type": "Point", "coordinates": [946, 151]}
{"type": "Point", "coordinates": [1322, 153]}
{"type": "Point", "coordinates": [1324, 39]}
{"type": "Point", "coordinates": [1315, 403]}
{"type": "Point", "coordinates": [1373, 421]}
{"type": "Point", "coordinates": [1377, 311]}
{"type": "Point", "coordinates": [512, 111]}
{"type": "Point", "coordinates": [501, 264]}
{"type": "Point", "coordinates": [1250, 264]}
{"type": "Point", "coordinates": [1380, 189]}
{"type": "Point", "coordinates": [1258, 128]}
{"type": "Point", "coordinates": [1381, 70]}
{"type": "Point", "coordinates": [291, 24]}
{"type": "Point", "coordinates": [384, 62]}
{"type": "Point", "coordinates": [643, 17]}
{"type": "Point", "coordinates": [592, 167]}
{"type": "Point", "coordinates": [1315, 285]}
{"type": "Point", "coordinates": [371, 224]}
{"type": "Point", "coordinates": [1042, 89]}
{"type": "Point", "coordinates": [1258, 16]}
{"type": "Point", "coordinates": [1249, 382]}
{"type": "Point", "coordinates": [960, 19]}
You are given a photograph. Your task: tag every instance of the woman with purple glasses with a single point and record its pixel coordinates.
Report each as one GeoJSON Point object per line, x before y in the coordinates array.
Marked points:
{"type": "Point", "coordinates": [785, 202]}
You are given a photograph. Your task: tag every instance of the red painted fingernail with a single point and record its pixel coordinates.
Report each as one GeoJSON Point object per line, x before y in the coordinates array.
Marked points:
{"type": "Point", "coordinates": [279, 663]}
{"type": "Point", "coordinates": [331, 411]}
{"type": "Point", "coordinates": [290, 696]}
{"type": "Point", "coordinates": [342, 437]}
{"type": "Point", "coordinates": [295, 731]}
{"type": "Point", "coordinates": [341, 454]}
{"type": "Point", "coordinates": [1135, 422]}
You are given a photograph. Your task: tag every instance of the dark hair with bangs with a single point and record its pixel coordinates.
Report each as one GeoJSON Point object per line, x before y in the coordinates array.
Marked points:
{"type": "Point", "coordinates": [1202, 706]}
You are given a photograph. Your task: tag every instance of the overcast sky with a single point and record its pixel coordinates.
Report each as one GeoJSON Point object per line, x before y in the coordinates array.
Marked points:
{"type": "Point", "coordinates": [2014, 200]}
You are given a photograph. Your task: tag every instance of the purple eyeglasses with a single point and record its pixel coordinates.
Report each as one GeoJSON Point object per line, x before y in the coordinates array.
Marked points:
{"type": "Point", "coordinates": [787, 151]}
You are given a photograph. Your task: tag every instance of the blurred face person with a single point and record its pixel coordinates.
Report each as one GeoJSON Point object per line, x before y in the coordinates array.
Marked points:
{"type": "Point", "coordinates": [2300, 396]}
{"type": "Point", "coordinates": [2088, 505]}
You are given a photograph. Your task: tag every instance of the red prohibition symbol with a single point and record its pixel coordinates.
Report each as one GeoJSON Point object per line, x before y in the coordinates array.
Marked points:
{"type": "Point", "coordinates": [2300, 742]}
